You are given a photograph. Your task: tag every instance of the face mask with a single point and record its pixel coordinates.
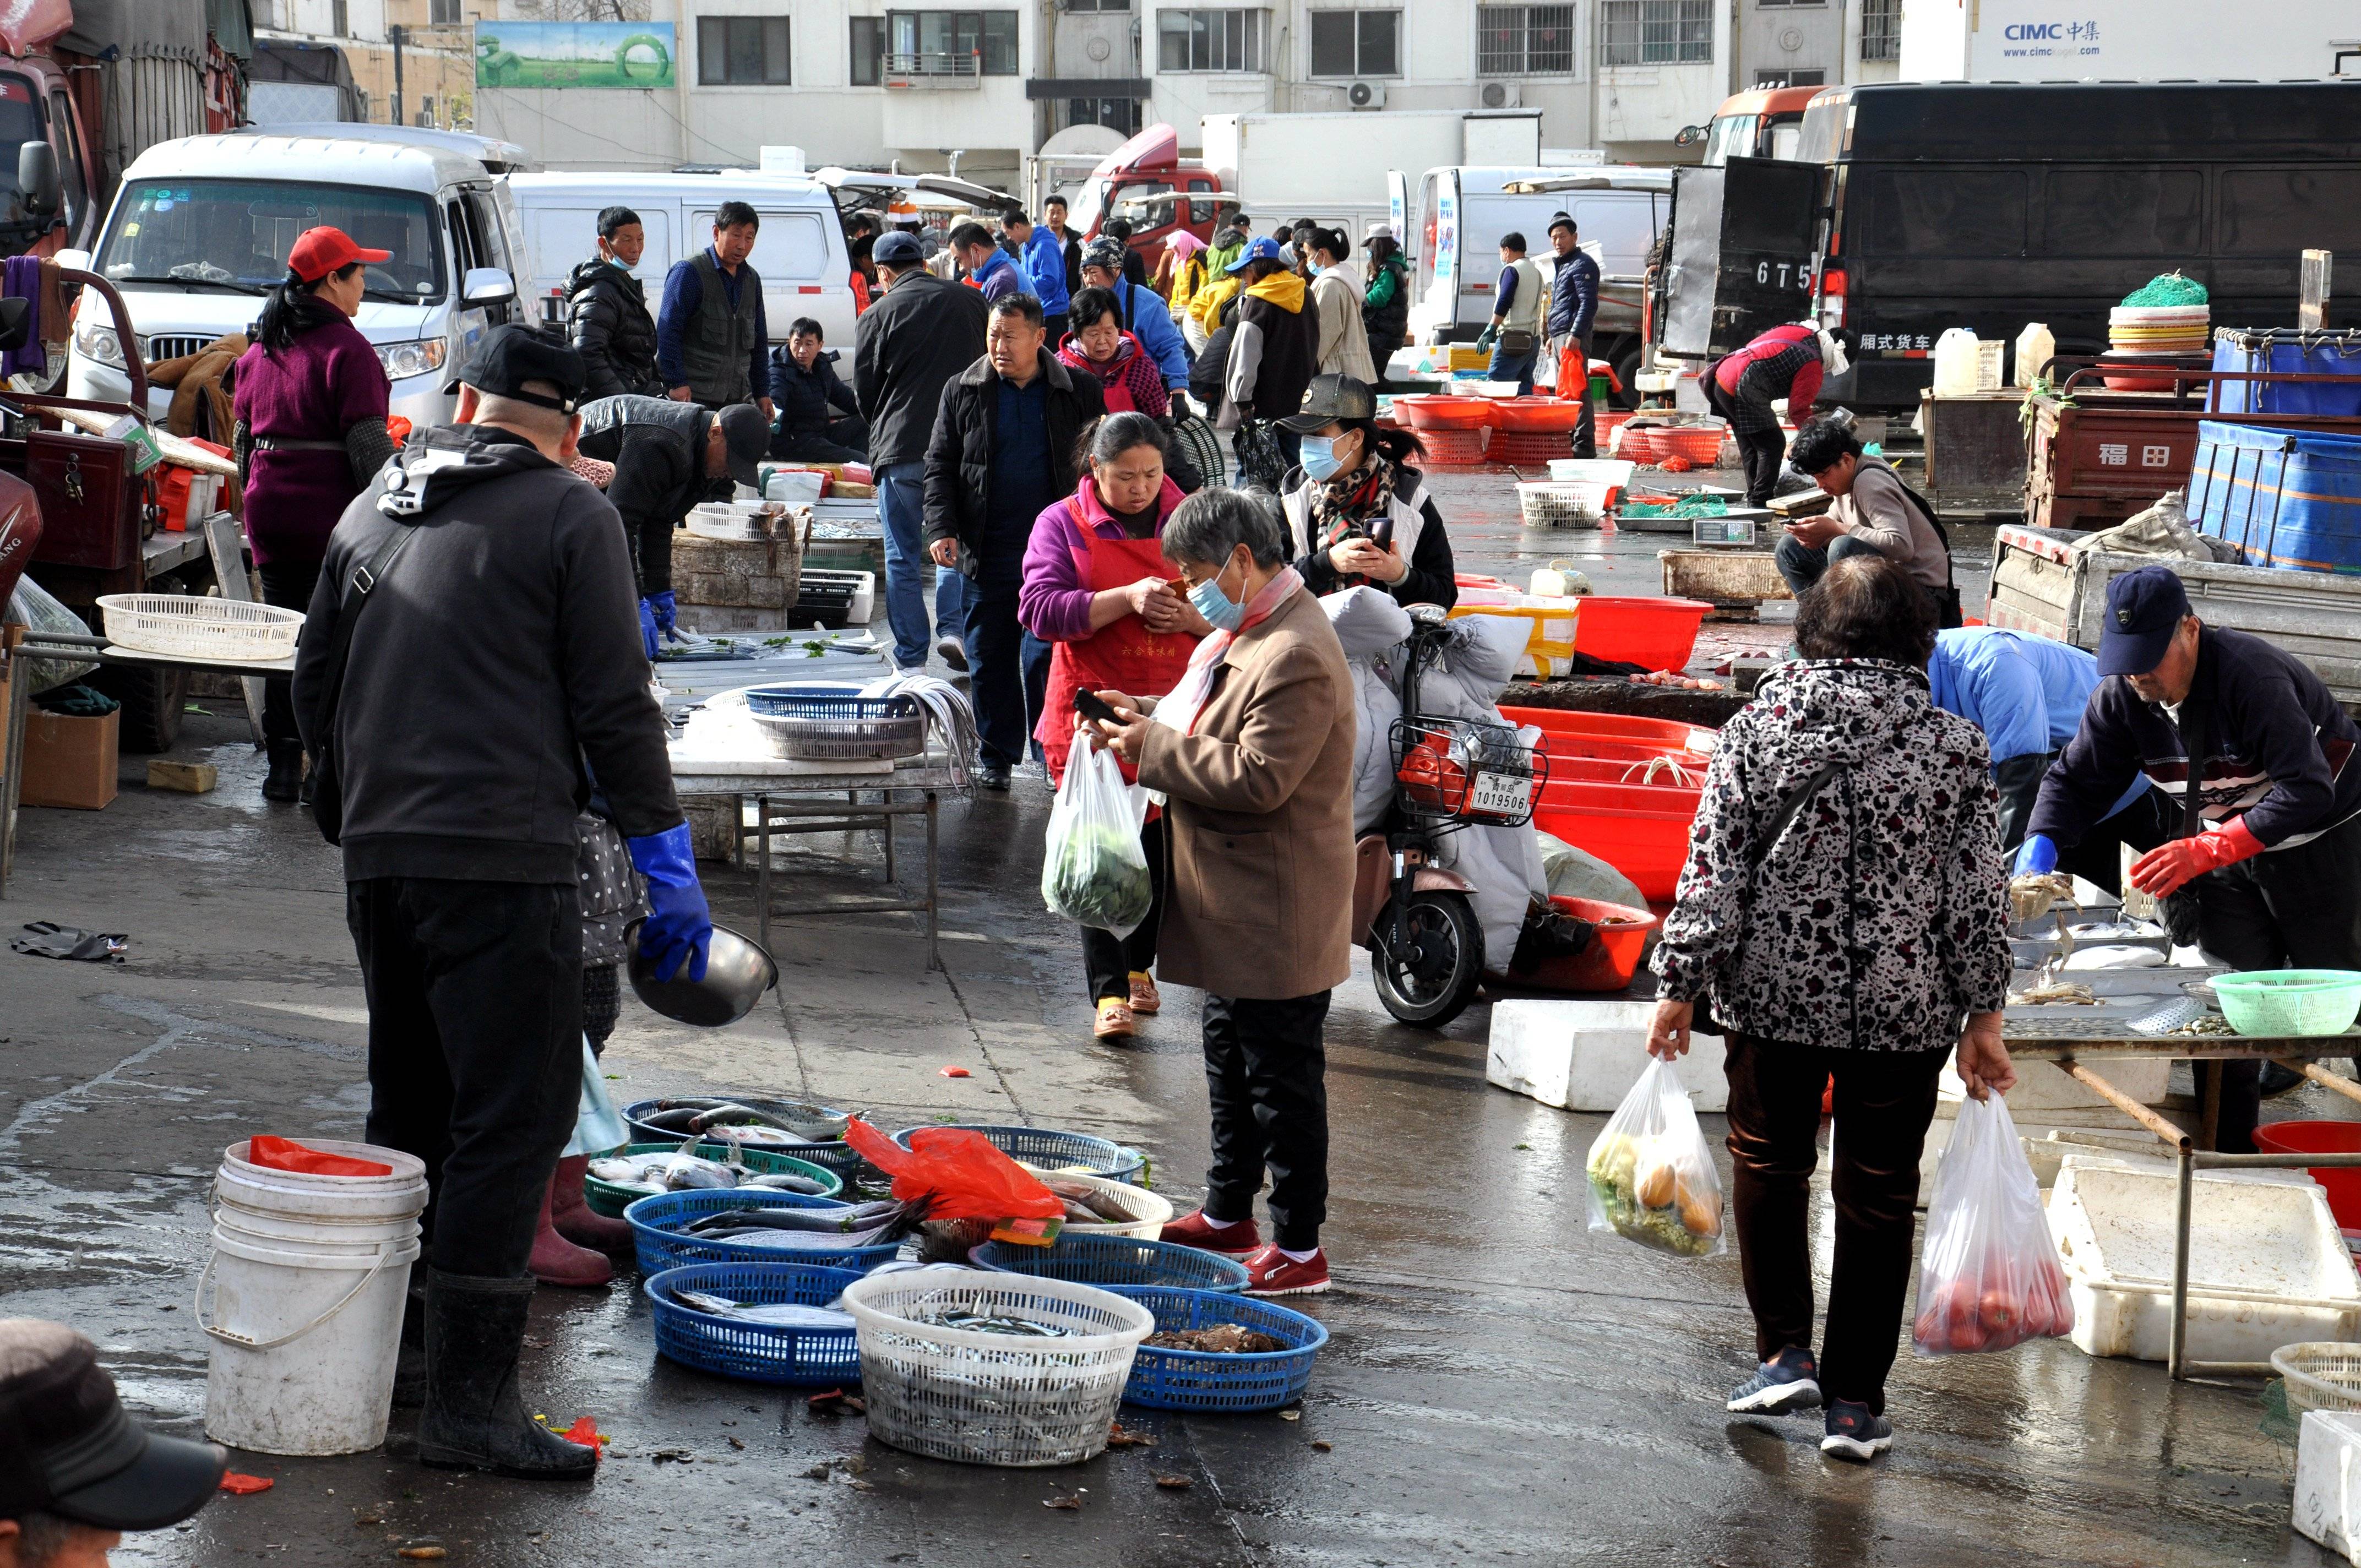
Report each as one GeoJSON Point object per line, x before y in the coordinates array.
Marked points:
{"type": "Point", "coordinates": [1216, 606]}
{"type": "Point", "coordinates": [1320, 456]}
{"type": "Point", "coordinates": [618, 261]}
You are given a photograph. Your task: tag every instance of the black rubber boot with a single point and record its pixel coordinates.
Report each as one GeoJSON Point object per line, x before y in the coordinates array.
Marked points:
{"type": "Point", "coordinates": [286, 779]}
{"type": "Point", "coordinates": [474, 1420]}
{"type": "Point", "coordinates": [410, 1361]}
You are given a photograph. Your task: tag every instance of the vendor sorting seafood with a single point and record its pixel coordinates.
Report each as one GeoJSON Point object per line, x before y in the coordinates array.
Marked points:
{"type": "Point", "coordinates": [2267, 851]}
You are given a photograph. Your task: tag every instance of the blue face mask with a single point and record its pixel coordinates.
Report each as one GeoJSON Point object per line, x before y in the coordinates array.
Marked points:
{"type": "Point", "coordinates": [1216, 606]}
{"type": "Point", "coordinates": [1320, 456]}
{"type": "Point", "coordinates": [618, 261]}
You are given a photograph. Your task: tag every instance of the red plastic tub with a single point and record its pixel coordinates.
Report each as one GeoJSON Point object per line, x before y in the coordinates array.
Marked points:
{"type": "Point", "coordinates": [1700, 443]}
{"type": "Point", "coordinates": [1612, 957]}
{"type": "Point", "coordinates": [1438, 411]}
{"type": "Point", "coordinates": [2343, 1184]}
{"type": "Point", "coordinates": [1582, 734]}
{"type": "Point", "coordinates": [1642, 830]}
{"type": "Point", "coordinates": [1535, 414]}
{"type": "Point", "coordinates": [1654, 633]}
{"type": "Point", "coordinates": [1453, 448]}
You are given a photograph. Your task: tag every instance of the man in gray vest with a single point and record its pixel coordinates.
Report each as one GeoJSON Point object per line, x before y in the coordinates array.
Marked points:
{"type": "Point", "coordinates": [712, 343]}
{"type": "Point", "coordinates": [1517, 304]}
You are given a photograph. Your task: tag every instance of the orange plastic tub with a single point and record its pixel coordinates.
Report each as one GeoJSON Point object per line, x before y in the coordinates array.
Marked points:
{"type": "Point", "coordinates": [1437, 411]}
{"type": "Point", "coordinates": [1535, 414]}
{"type": "Point", "coordinates": [1611, 958]}
{"type": "Point", "coordinates": [1701, 445]}
{"type": "Point", "coordinates": [1641, 830]}
{"type": "Point", "coordinates": [1611, 736]}
{"type": "Point", "coordinates": [1654, 633]}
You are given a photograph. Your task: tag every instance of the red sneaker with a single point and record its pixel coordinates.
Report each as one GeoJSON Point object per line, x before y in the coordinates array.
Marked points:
{"type": "Point", "coordinates": [1236, 1239]}
{"type": "Point", "coordinates": [1271, 1272]}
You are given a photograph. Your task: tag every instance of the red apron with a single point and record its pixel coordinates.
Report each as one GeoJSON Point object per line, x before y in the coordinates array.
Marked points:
{"type": "Point", "coordinates": [1121, 656]}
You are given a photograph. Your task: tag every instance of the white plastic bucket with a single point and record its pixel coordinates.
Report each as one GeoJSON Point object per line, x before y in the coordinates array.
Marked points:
{"type": "Point", "coordinates": [311, 1274]}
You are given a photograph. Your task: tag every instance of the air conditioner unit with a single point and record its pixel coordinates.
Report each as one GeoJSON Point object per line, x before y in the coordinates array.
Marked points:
{"type": "Point", "coordinates": [1366, 96]}
{"type": "Point", "coordinates": [1502, 95]}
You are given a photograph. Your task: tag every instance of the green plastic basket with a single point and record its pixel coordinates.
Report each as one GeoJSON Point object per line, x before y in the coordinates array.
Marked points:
{"type": "Point", "coordinates": [2289, 1001]}
{"type": "Point", "coordinates": [606, 1197]}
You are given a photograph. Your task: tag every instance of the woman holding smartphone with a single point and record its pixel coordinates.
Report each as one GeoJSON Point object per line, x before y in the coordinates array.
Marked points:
{"type": "Point", "coordinates": [1098, 590]}
{"type": "Point", "coordinates": [1357, 513]}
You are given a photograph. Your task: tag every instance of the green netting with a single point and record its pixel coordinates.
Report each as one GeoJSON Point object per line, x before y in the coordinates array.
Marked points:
{"type": "Point", "coordinates": [2170, 290]}
{"type": "Point", "coordinates": [1687, 506]}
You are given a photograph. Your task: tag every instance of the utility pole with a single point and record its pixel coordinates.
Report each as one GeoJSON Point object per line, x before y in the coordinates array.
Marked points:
{"type": "Point", "coordinates": [394, 35]}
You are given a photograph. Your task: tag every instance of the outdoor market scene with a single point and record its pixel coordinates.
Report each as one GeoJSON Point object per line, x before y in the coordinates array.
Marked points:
{"type": "Point", "coordinates": [1651, 856]}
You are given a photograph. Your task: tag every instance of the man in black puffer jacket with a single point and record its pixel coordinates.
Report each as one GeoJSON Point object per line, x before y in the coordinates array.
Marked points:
{"type": "Point", "coordinates": [607, 312]}
{"type": "Point", "coordinates": [819, 420]}
{"type": "Point", "coordinates": [668, 456]}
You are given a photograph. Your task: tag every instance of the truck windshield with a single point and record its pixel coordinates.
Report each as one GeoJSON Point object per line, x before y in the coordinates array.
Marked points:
{"type": "Point", "coordinates": [234, 235]}
{"type": "Point", "coordinates": [1089, 205]}
{"type": "Point", "coordinates": [1730, 136]}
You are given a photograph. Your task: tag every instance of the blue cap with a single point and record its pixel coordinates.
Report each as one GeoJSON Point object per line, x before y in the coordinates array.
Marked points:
{"type": "Point", "coordinates": [898, 249]}
{"type": "Point", "coordinates": [2143, 609]}
{"type": "Point", "coordinates": [1263, 249]}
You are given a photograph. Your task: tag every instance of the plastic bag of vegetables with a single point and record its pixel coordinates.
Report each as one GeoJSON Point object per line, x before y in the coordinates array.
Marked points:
{"type": "Point", "coordinates": [1651, 1175]}
{"type": "Point", "coordinates": [1988, 1277]}
{"type": "Point", "coordinates": [1094, 872]}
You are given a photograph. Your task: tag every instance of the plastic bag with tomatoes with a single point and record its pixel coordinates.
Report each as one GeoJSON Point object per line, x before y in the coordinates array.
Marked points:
{"type": "Point", "coordinates": [1988, 1277]}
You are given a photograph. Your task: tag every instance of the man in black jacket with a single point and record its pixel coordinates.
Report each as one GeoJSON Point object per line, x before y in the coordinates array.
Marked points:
{"type": "Point", "coordinates": [807, 392]}
{"type": "Point", "coordinates": [907, 346]}
{"type": "Point", "coordinates": [495, 675]}
{"type": "Point", "coordinates": [607, 312]}
{"type": "Point", "coordinates": [1003, 450]}
{"type": "Point", "coordinates": [668, 456]}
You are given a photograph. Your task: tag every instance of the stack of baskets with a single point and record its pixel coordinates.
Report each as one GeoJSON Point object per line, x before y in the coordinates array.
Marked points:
{"type": "Point", "coordinates": [2145, 330]}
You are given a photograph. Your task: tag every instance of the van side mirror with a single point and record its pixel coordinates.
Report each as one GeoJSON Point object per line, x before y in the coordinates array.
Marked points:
{"type": "Point", "coordinates": [1689, 135]}
{"type": "Point", "coordinates": [37, 179]}
{"type": "Point", "coordinates": [487, 286]}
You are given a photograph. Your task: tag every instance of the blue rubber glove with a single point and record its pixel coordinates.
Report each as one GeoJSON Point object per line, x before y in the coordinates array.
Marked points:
{"type": "Point", "coordinates": [665, 610]}
{"type": "Point", "coordinates": [679, 927]}
{"type": "Point", "coordinates": [2035, 857]}
{"type": "Point", "coordinates": [648, 636]}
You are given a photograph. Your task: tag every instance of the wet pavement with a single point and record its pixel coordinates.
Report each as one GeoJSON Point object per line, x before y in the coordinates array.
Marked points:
{"type": "Point", "coordinates": [1502, 1383]}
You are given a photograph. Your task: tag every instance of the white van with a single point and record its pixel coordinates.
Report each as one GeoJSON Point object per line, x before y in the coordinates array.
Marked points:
{"type": "Point", "coordinates": [800, 250]}
{"type": "Point", "coordinates": [201, 228]}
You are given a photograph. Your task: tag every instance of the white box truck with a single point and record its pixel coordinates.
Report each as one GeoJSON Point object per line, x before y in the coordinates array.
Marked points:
{"type": "Point", "coordinates": [2118, 40]}
{"type": "Point", "coordinates": [1331, 168]}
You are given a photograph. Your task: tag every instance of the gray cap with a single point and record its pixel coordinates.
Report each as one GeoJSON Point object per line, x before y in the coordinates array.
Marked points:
{"type": "Point", "coordinates": [748, 434]}
{"type": "Point", "coordinates": [1332, 397]}
{"type": "Point", "coordinates": [898, 249]}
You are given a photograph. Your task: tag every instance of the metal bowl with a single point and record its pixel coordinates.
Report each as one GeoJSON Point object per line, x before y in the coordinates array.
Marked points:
{"type": "Point", "coordinates": [737, 974]}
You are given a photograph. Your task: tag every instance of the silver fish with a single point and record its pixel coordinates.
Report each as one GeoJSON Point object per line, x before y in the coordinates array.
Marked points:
{"type": "Point", "coordinates": [683, 1173]}
{"type": "Point", "coordinates": [784, 1315]}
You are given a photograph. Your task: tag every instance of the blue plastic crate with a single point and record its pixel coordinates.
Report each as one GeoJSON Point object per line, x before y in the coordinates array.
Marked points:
{"type": "Point", "coordinates": [1199, 1380]}
{"type": "Point", "coordinates": [1116, 1261]}
{"type": "Point", "coordinates": [657, 1224]}
{"type": "Point", "coordinates": [1050, 1149]}
{"type": "Point", "coordinates": [825, 699]}
{"type": "Point", "coordinates": [758, 1352]}
{"type": "Point", "coordinates": [836, 1157]}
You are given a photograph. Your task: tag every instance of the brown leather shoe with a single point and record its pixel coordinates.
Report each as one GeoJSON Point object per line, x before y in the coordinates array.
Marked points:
{"type": "Point", "coordinates": [1114, 1019]}
{"type": "Point", "coordinates": [1145, 999]}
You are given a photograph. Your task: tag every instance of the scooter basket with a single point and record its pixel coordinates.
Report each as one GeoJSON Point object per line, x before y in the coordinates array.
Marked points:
{"type": "Point", "coordinates": [1466, 772]}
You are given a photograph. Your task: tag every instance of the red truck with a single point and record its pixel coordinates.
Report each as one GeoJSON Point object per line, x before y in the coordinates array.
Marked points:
{"type": "Point", "coordinates": [1147, 174]}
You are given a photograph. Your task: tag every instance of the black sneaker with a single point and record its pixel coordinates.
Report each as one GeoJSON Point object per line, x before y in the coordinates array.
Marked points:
{"type": "Point", "coordinates": [992, 776]}
{"type": "Point", "coordinates": [1788, 1381]}
{"type": "Point", "coordinates": [1853, 1434]}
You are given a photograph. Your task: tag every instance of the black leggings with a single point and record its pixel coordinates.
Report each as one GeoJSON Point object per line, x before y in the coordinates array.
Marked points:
{"type": "Point", "coordinates": [1108, 961]}
{"type": "Point", "coordinates": [286, 585]}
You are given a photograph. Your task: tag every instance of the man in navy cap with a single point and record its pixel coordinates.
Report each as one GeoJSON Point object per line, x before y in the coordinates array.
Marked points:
{"type": "Point", "coordinates": [2268, 838]}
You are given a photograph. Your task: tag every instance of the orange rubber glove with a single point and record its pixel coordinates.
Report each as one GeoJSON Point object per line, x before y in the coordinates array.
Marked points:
{"type": "Point", "coordinates": [2165, 871]}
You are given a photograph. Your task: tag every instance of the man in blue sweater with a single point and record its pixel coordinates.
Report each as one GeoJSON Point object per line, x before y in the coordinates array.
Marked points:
{"type": "Point", "coordinates": [988, 267]}
{"type": "Point", "coordinates": [712, 345]}
{"type": "Point", "coordinates": [1573, 306]}
{"type": "Point", "coordinates": [2270, 842]}
{"type": "Point", "coordinates": [1044, 260]}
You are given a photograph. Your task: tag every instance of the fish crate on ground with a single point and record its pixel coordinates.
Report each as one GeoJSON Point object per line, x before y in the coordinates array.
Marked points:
{"type": "Point", "coordinates": [611, 1198]}
{"type": "Point", "coordinates": [794, 1356]}
{"type": "Point", "coordinates": [1111, 1261]}
{"type": "Point", "coordinates": [1167, 1379]}
{"type": "Point", "coordinates": [833, 1153]}
{"type": "Point", "coordinates": [1054, 1152]}
{"type": "Point", "coordinates": [1149, 1212]}
{"type": "Point", "coordinates": [660, 1232]}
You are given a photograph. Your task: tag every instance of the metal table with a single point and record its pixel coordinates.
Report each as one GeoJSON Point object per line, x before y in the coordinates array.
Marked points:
{"type": "Point", "coordinates": [794, 804]}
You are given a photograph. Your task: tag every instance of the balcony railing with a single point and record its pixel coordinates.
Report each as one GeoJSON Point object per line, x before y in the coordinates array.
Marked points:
{"type": "Point", "coordinates": [935, 69]}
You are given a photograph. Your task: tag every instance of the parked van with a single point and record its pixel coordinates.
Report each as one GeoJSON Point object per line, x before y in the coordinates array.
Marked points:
{"type": "Point", "coordinates": [201, 228]}
{"type": "Point", "coordinates": [1460, 215]}
{"type": "Point", "coordinates": [800, 250]}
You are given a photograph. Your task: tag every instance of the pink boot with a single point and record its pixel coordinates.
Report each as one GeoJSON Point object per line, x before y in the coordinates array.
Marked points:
{"type": "Point", "coordinates": [575, 1220]}
{"type": "Point", "coordinates": [556, 1260]}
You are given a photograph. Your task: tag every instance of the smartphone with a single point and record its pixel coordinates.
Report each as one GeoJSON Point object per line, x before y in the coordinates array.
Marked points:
{"type": "Point", "coordinates": [1090, 705]}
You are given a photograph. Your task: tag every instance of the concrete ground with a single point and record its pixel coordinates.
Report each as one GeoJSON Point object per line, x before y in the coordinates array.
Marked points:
{"type": "Point", "coordinates": [1501, 1384]}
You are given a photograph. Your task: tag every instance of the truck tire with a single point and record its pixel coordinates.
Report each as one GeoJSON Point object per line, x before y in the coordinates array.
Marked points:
{"type": "Point", "coordinates": [152, 701]}
{"type": "Point", "coordinates": [1627, 370]}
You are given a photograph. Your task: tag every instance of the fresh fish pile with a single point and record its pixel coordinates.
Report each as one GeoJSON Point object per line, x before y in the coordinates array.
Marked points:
{"type": "Point", "coordinates": [1087, 1205]}
{"type": "Point", "coordinates": [690, 1173]}
{"type": "Point", "coordinates": [811, 1230]}
{"type": "Point", "coordinates": [1007, 1323]}
{"type": "Point", "coordinates": [779, 1315]}
{"type": "Point", "coordinates": [787, 1122]}
{"type": "Point", "coordinates": [1222, 1339]}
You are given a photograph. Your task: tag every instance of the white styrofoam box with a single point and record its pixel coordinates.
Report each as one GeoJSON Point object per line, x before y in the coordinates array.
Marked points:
{"type": "Point", "coordinates": [2266, 1264]}
{"type": "Point", "coordinates": [1586, 1055]}
{"type": "Point", "coordinates": [2043, 1087]}
{"type": "Point", "coordinates": [2328, 1481]}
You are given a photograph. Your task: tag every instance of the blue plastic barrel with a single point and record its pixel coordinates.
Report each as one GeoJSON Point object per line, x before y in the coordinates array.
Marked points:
{"type": "Point", "coordinates": [2287, 498]}
{"type": "Point", "coordinates": [2334, 354]}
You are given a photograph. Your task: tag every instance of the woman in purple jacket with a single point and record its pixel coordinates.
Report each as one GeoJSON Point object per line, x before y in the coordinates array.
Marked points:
{"type": "Point", "coordinates": [1097, 589]}
{"type": "Point", "coordinates": [311, 401]}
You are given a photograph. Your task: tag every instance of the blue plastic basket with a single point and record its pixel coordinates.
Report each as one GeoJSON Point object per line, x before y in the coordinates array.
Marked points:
{"type": "Point", "coordinates": [825, 699]}
{"type": "Point", "coordinates": [759, 1353]}
{"type": "Point", "coordinates": [1050, 1148]}
{"type": "Point", "coordinates": [1199, 1380]}
{"type": "Point", "coordinates": [657, 1223]}
{"type": "Point", "coordinates": [836, 1157]}
{"type": "Point", "coordinates": [1114, 1261]}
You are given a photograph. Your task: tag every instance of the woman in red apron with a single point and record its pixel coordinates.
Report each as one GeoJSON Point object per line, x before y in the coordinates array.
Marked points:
{"type": "Point", "coordinates": [1097, 589]}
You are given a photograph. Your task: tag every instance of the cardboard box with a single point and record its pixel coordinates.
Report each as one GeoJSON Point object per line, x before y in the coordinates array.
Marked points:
{"type": "Point", "coordinates": [70, 761]}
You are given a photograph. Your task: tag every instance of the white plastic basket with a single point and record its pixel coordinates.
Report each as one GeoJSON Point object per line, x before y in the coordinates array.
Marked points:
{"type": "Point", "coordinates": [199, 628]}
{"type": "Point", "coordinates": [985, 1399]}
{"type": "Point", "coordinates": [2321, 1375]}
{"type": "Point", "coordinates": [1547, 503]}
{"type": "Point", "coordinates": [1149, 1212]}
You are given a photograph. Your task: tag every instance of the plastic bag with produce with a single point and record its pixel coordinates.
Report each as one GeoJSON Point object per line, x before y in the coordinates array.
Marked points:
{"type": "Point", "coordinates": [1988, 1277]}
{"type": "Point", "coordinates": [1094, 872]}
{"type": "Point", "coordinates": [1651, 1174]}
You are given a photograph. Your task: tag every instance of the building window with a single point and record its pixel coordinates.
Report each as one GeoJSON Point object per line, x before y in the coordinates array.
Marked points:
{"type": "Point", "coordinates": [1881, 29]}
{"type": "Point", "coordinates": [741, 51]}
{"type": "Point", "coordinates": [1791, 79]}
{"type": "Point", "coordinates": [1766, 4]}
{"type": "Point", "coordinates": [1117, 5]}
{"type": "Point", "coordinates": [868, 50]}
{"type": "Point", "coordinates": [444, 13]}
{"type": "Point", "coordinates": [1357, 43]}
{"type": "Point", "coordinates": [1209, 41]}
{"type": "Point", "coordinates": [1524, 41]}
{"type": "Point", "coordinates": [1655, 32]}
{"type": "Point", "coordinates": [340, 24]}
{"type": "Point", "coordinates": [1115, 113]}
{"type": "Point", "coordinates": [953, 43]}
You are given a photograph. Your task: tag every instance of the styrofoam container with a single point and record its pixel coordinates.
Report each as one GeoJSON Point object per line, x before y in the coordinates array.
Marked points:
{"type": "Point", "coordinates": [2266, 1264]}
{"type": "Point", "coordinates": [1586, 1055]}
{"type": "Point", "coordinates": [2328, 1481]}
{"type": "Point", "coordinates": [2044, 1087]}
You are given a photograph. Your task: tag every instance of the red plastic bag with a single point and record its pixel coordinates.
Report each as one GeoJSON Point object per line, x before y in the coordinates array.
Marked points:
{"type": "Point", "coordinates": [958, 1171]}
{"type": "Point", "coordinates": [283, 1154]}
{"type": "Point", "coordinates": [1989, 1277]}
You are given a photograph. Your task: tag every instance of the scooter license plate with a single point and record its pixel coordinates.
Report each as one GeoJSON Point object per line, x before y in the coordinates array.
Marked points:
{"type": "Point", "coordinates": [1501, 794]}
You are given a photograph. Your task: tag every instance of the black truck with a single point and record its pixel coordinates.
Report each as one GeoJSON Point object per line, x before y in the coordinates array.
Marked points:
{"type": "Point", "coordinates": [1914, 207]}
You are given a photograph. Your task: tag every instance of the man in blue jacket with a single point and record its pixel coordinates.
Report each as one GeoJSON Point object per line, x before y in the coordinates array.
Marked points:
{"type": "Point", "coordinates": [1045, 262]}
{"type": "Point", "coordinates": [1573, 306]}
{"type": "Point", "coordinates": [1141, 310]}
{"type": "Point", "coordinates": [988, 267]}
{"type": "Point", "coordinates": [2270, 844]}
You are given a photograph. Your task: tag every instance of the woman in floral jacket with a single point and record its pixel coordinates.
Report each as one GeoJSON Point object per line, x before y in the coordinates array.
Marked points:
{"type": "Point", "coordinates": [1843, 911]}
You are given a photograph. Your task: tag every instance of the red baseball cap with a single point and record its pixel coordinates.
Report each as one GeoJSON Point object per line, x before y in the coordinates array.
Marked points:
{"type": "Point", "coordinates": [322, 251]}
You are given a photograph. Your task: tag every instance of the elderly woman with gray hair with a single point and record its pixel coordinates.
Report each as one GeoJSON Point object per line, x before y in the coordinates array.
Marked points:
{"type": "Point", "coordinates": [1253, 751]}
{"type": "Point", "coordinates": [1844, 911]}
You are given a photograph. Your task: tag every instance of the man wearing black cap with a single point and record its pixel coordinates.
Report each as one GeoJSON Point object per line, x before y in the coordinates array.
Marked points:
{"type": "Point", "coordinates": [2270, 840]}
{"type": "Point", "coordinates": [668, 456]}
{"type": "Point", "coordinates": [470, 665]}
{"type": "Point", "coordinates": [75, 1470]}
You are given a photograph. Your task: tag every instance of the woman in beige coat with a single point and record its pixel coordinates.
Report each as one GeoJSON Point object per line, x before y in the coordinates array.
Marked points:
{"type": "Point", "coordinates": [1336, 290]}
{"type": "Point", "coordinates": [1254, 753]}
